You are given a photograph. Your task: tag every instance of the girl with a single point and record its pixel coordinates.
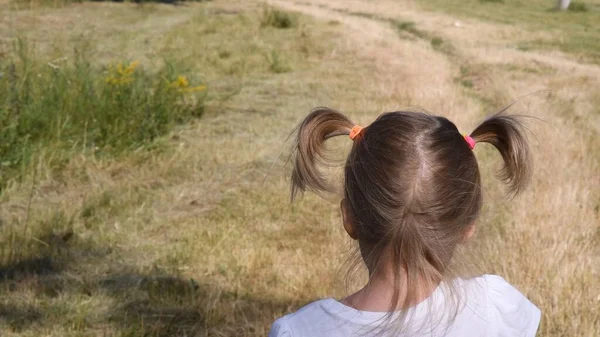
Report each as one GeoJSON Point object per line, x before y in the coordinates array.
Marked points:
{"type": "Point", "coordinates": [412, 194]}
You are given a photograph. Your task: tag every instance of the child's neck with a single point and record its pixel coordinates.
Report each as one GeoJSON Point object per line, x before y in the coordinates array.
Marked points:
{"type": "Point", "coordinates": [377, 295]}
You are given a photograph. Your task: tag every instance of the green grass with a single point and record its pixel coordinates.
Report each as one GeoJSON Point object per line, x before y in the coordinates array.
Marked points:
{"type": "Point", "coordinates": [410, 28]}
{"type": "Point", "coordinates": [273, 17]}
{"type": "Point", "coordinates": [437, 42]}
{"type": "Point", "coordinates": [578, 7]}
{"type": "Point", "coordinates": [575, 32]}
{"type": "Point", "coordinates": [76, 106]}
{"type": "Point", "coordinates": [87, 266]}
{"type": "Point", "coordinates": [584, 49]}
{"type": "Point", "coordinates": [276, 64]}
{"type": "Point", "coordinates": [70, 103]}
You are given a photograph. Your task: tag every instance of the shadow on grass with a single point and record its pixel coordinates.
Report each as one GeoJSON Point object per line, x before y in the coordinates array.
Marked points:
{"type": "Point", "coordinates": [45, 255]}
{"type": "Point", "coordinates": [25, 263]}
{"type": "Point", "coordinates": [144, 303]}
{"type": "Point", "coordinates": [163, 305]}
{"type": "Point", "coordinates": [28, 267]}
{"type": "Point", "coordinates": [18, 317]}
{"type": "Point", "coordinates": [154, 305]}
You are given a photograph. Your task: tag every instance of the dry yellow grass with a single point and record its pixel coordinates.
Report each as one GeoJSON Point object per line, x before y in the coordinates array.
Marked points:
{"type": "Point", "coordinates": [200, 239]}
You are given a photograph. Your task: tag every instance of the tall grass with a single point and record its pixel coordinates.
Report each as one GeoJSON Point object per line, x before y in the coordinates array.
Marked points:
{"type": "Point", "coordinates": [277, 18]}
{"type": "Point", "coordinates": [71, 105]}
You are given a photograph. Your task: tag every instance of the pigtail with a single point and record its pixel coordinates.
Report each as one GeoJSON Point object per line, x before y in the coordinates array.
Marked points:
{"type": "Point", "coordinates": [507, 134]}
{"type": "Point", "coordinates": [321, 124]}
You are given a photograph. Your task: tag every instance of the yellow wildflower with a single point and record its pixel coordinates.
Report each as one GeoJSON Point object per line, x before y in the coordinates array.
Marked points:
{"type": "Point", "coordinates": [131, 68]}
{"type": "Point", "coordinates": [127, 71]}
{"type": "Point", "coordinates": [183, 85]}
{"type": "Point", "coordinates": [180, 83]}
{"type": "Point", "coordinates": [121, 74]}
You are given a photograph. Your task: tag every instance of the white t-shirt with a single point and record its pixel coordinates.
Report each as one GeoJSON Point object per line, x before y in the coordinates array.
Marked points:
{"type": "Point", "coordinates": [491, 308]}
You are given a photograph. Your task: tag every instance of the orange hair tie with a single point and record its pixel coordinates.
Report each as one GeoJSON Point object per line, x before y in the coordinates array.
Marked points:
{"type": "Point", "coordinates": [355, 131]}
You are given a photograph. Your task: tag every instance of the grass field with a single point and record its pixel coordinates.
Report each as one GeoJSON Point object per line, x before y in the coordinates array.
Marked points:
{"type": "Point", "coordinates": [190, 232]}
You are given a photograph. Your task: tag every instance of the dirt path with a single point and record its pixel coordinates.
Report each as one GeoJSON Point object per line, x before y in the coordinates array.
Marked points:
{"type": "Point", "coordinates": [410, 69]}
{"type": "Point", "coordinates": [474, 43]}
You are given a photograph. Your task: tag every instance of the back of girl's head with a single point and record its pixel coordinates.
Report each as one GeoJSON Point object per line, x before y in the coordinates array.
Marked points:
{"type": "Point", "coordinates": [411, 184]}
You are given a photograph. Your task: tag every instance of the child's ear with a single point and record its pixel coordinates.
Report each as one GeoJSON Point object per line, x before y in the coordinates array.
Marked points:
{"type": "Point", "coordinates": [469, 232]}
{"type": "Point", "coordinates": [348, 220]}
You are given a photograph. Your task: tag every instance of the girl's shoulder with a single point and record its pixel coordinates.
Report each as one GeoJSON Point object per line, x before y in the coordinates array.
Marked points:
{"type": "Point", "coordinates": [496, 302]}
{"type": "Point", "coordinates": [490, 307]}
{"type": "Point", "coordinates": [497, 294]}
{"type": "Point", "coordinates": [303, 320]}
{"type": "Point", "coordinates": [327, 317]}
